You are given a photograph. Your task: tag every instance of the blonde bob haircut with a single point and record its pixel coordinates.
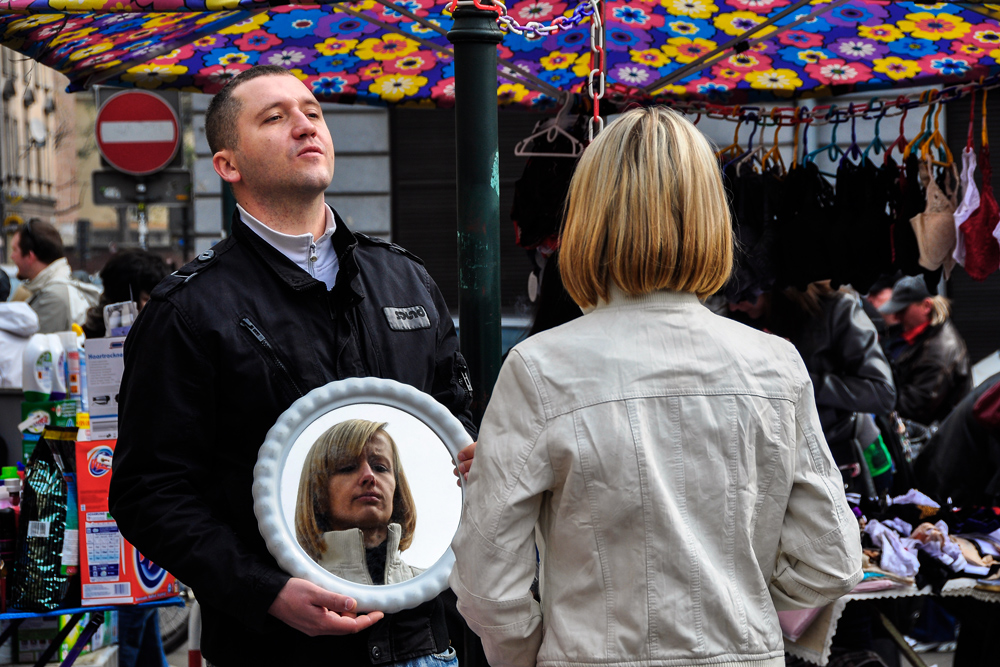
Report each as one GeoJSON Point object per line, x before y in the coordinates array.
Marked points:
{"type": "Point", "coordinates": [646, 211]}
{"type": "Point", "coordinates": [341, 444]}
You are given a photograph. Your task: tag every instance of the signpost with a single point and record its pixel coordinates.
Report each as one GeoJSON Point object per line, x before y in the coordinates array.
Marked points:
{"type": "Point", "coordinates": [138, 133]}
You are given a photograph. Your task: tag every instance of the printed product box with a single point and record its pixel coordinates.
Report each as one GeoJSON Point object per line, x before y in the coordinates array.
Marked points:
{"type": "Point", "coordinates": [105, 365]}
{"type": "Point", "coordinates": [112, 571]}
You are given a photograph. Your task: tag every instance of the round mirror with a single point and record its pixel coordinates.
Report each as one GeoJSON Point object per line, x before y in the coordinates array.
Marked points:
{"type": "Point", "coordinates": [399, 447]}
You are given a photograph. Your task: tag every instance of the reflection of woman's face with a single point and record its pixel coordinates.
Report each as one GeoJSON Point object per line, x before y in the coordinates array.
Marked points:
{"type": "Point", "coordinates": [361, 491]}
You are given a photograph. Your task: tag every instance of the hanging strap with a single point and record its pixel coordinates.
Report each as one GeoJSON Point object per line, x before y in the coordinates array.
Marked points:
{"type": "Point", "coordinates": [984, 154]}
{"type": "Point", "coordinates": [972, 117]}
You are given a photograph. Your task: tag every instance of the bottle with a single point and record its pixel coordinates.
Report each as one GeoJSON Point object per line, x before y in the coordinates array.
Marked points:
{"type": "Point", "coordinates": [81, 341]}
{"type": "Point", "coordinates": [12, 483]}
{"type": "Point", "coordinates": [58, 391]}
{"type": "Point", "coordinates": [71, 345]}
{"type": "Point", "coordinates": [8, 539]}
{"type": "Point", "coordinates": [36, 366]}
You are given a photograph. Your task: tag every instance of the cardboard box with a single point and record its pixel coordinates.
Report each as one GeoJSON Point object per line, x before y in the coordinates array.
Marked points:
{"type": "Point", "coordinates": [105, 365]}
{"type": "Point", "coordinates": [112, 571]}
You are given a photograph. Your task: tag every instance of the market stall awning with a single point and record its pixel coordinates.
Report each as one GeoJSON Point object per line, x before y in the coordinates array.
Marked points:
{"type": "Point", "coordinates": [377, 51]}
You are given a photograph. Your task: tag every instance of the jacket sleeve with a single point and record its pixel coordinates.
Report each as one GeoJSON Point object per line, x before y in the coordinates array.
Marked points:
{"type": "Point", "coordinates": [865, 383]}
{"type": "Point", "coordinates": [162, 469]}
{"type": "Point", "coordinates": [819, 555]}
{"type": "Point", "coordinates": [452, 386]}
{"type": "Point", "coordinates": [495, 546]}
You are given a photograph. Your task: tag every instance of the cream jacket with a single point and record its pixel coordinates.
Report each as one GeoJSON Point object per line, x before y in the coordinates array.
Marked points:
{"type": "Point", "coordinates": [670, 466]}
{"type": "Point", "coordinates": [345, 557]}
{"type": "Point", "coordinates": [55, 298]}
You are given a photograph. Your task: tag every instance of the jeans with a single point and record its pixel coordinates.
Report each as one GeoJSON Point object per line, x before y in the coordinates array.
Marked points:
{"type": "Point", "coordinates": [139, 638]}
{"type": "Point", "coordinates": [448, 658]}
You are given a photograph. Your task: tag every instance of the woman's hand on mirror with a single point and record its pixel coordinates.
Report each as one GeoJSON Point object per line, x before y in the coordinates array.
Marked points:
{"type": "Point", "coordinates": [465, 457]}
{"type": "Point", "coordinates": [316, 611]}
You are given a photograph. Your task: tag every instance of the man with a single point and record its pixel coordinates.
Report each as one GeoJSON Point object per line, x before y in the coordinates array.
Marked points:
{"type": "Point", "coordinates": [930, 361]}
{"type": "Point", "coordinates": [291, 301]}
{"type": "Point", "coordinates": [59, 301]}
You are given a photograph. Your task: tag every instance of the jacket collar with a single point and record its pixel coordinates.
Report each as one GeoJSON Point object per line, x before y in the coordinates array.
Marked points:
{"type": "Point", "coordinates": [345, 551]}
{"type": "Point", "coordinates": [57, 271]}
{"type": "Point", "coordinates": [344, 242]}
{"type": "Point", "coordinates": [618, 299]}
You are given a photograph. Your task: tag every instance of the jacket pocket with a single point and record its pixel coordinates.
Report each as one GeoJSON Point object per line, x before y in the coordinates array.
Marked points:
{"type": "Point", "coordinates": [259, 341]}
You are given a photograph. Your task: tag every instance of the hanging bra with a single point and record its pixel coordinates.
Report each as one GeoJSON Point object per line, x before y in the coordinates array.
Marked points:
{"type": "Point", "coordinates": [935, 226]}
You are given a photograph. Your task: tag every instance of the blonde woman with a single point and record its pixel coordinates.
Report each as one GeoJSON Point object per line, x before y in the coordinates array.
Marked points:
{"type": "Point", "coordinates": [354, 515]}
{"type": "Point", "coordinates": [667, 463]}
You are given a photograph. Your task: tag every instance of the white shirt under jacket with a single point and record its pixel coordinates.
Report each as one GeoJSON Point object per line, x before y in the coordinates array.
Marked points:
{"type": "Point", "coordinates": [670, 465]}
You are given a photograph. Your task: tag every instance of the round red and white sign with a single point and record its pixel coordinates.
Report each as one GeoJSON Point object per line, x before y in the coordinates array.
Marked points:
{"type": "Point", "coordinates": [137, 132]}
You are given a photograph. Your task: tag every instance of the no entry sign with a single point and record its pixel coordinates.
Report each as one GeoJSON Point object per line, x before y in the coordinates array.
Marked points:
{"type": "Point", "coordinates": [137, 132]}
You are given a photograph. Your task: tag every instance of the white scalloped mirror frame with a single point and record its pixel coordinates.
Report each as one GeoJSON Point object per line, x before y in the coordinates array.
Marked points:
{"type": "Point", "coordinates": [278, 531]}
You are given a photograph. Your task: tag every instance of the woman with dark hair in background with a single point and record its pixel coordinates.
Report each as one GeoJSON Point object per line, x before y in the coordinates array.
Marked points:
{"type": "Point", "coordinates": [851, 377]}
{"type": "Point", "coordinates": [129, 275]}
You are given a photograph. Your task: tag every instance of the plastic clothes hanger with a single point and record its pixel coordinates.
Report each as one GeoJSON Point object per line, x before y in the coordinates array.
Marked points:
{"type": "Point", "coordinates": [853, 151]}
{"type": "Point", "coordinates": [936, 140]}
{"type": "Point", "coordinates": [773, 156]}
{"type": "Point", "coordinates": [753, 155]}
{"type": "Point", "coordinates": [733, 150]}
{"type": "Point", "coordinates": [549, 130]}
{"type": "Point", "coordinates": [900, 141]}
{"type": "Point", "coordinates": [833, 151]}
{"type": "Point", "coordinates": [876, 143]}
{"type": "Point", "coordinates": [925, 128]}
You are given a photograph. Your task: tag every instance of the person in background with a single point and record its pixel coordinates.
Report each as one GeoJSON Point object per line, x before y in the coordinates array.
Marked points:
{"type": "Point", "coordinates": [961, 465]}
{"type": "Point", "coordinates": [668, 463]}
{"type": "Point", "coordinates": [59, 301]}
{"type": "Point", "coordinates": [17, 322]}
{"type": "Point", "coordinates": [851, 378]}
{"type": "Point", "coordinates": [930, 363]}
{"type": "Point", "coordinates": [129, 275]}
{"type": "Point", "coordinates": [880, 292]}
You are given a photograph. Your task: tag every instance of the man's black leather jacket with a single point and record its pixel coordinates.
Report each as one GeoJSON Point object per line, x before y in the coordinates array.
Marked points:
{"type": "Point", "coordinates": [224, 346]}
{"type": "Point", "coordinates": [932, 374]}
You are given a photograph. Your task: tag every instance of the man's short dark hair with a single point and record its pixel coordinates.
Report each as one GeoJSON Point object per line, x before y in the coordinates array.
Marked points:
{"type": "Point", "coordinates": [223, 110]}
{"type": "Point", "coordinates": [131, 272]}
{"type": "Point", "coordinates": [41, 238]}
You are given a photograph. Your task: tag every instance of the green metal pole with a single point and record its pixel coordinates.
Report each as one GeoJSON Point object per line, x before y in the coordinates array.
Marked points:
{"type": "Point", "coordinates": [475, 35]}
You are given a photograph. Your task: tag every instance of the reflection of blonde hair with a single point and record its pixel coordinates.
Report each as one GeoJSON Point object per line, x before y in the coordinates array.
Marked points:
{"type": "Point", "coordinates": [940, 310]}
{"type": "Point", "coordinates": [646, 211]}
{"type": "Point", "coordinates": [340, 444]}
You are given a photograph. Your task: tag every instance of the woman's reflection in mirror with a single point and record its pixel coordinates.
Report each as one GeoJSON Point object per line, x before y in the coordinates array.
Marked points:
{"type": "Point", "coordinates": [355, 513]}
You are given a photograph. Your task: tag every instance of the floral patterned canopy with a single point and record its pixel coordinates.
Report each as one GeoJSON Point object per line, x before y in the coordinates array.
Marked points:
{"type": "Point", "coordinates": [396, 51]}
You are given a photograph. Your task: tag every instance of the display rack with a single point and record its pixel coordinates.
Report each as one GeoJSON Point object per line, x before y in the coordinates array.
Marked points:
{"type": "Point", "coordinates": [77, 613]}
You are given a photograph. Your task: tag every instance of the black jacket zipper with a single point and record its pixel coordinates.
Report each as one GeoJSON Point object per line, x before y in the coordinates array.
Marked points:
{"type": "Point", "coordinates": [256, 333]}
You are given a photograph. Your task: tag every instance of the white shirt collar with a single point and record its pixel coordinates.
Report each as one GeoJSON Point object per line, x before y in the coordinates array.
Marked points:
{"type": "Point", "coordinates": [317, 257]}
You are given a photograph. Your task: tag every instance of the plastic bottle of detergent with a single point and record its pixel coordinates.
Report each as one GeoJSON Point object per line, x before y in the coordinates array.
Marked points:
{"type": "Point", "coordinates": [59, 390]}
{"type": "Point", "coordinates": [37, 369]}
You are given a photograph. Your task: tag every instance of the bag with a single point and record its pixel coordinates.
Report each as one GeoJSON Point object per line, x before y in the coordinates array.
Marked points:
{"type": "Point", "coordinates": [849, 455]}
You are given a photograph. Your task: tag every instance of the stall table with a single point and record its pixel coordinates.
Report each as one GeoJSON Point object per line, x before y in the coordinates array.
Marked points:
{"type": "Point", "coordinates": [94, 622]}
{"type": "Point", "coordinates": [815, 642]}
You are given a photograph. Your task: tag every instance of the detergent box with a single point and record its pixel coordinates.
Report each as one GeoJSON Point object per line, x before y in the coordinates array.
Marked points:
{"type": "Point", "coordinates": [112, 571]}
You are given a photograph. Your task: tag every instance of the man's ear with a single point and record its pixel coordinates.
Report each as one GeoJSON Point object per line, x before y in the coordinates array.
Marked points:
{"type": "Point", "coordinates": [225, 165]}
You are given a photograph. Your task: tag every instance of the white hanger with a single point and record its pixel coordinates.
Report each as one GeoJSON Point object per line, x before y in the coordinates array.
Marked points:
{"type": "Point", "coordinates": [550, 129]}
